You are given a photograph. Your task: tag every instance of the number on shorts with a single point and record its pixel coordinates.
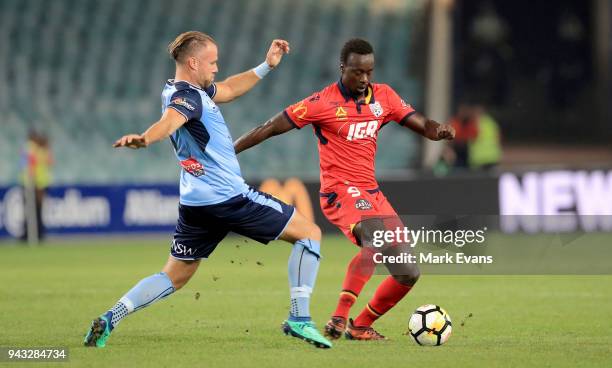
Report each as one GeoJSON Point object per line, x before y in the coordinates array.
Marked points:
{"type": "Point", "coordinates": [353, 191]}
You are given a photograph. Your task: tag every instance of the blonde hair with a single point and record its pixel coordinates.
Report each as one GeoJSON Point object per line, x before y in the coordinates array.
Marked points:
{"type": "Point", "coordinates": [185, 43]}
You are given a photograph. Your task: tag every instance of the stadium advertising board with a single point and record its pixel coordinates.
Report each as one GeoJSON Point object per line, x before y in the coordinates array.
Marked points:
{"type": "Point", "coordinates": [556, 201]}
{"type": "Point", "coordinates": [95, 209]}
{"type": "Point", "coordinates": [549, 201]}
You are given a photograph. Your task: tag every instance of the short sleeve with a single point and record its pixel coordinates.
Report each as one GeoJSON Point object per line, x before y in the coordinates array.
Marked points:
{"type": "Point", "coordinates": [304, 112]}
{"type": "Point", "coordinates": [211, 90]}
{"type": "Point", "coordinates": [399, 108]}
{"type": "Point", "coordinates": [188, 103]}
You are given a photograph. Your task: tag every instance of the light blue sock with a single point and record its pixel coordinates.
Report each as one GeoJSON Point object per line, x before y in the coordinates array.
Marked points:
{"type": "Point", "coordinates": [303, 268]}
{"type": "Point", "coordinates": [146, 292]}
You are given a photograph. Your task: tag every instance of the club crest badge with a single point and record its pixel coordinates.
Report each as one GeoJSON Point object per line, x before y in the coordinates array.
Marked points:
{"type": "Point", "coordinates": [376, 109]}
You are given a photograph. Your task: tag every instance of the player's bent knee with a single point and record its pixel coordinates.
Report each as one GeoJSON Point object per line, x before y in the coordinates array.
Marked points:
{"type": "Point", "coordinates": [309, 230]}
{"type": "Point", "coordinates": [409, 276]}
{"type": "Point", "coordinates": [180, 271]}
{"type": "Point", "coordinates": [301, 228]}
{"type": "Point", "coordinates": [178, 281]}
{"type": "Point", "coordinates": [315, 232]}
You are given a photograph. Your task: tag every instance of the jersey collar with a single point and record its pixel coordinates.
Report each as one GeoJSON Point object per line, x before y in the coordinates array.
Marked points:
{"type": "Point", "coordinates": [348, 96]}
{"type": "Point", "coordinates": [179, 82]}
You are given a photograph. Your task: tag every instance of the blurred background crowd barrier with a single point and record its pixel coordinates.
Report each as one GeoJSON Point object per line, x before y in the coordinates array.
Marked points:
{"type": "Point", "coordinates": [526, 84]}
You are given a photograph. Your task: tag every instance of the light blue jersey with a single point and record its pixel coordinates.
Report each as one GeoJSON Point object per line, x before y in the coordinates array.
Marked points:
{"type": "Point", "coordinates": [210, 171]}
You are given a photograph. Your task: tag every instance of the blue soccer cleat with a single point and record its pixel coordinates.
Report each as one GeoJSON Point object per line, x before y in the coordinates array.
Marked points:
{"type": "Point", "coordinates": [307, 332]}
{"type": "Point", "coordinates": [99, 331]}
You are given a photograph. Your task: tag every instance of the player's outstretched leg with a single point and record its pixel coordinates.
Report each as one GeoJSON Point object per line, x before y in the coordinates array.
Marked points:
{"type": "Point", "coordinates": [303, 267]}
{"type": "Point", "coordinates": [387, 295]}
{"type": "Point", "coordinates": [174, 275]}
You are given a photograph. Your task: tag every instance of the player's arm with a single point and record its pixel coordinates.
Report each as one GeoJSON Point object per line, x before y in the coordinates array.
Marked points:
{"type": "Point", "coordinates": [428, 128]}
{"type": "Point", "coordinates": [170, 121]}
{"type": "Point", "coordinates": [239, 84]}
{"type": "Point", "coordinates": [279, 124]}
{"type": "Point", "coordinates": [405, 115]}
{"type": "Point", "coordinates": [297, 116]}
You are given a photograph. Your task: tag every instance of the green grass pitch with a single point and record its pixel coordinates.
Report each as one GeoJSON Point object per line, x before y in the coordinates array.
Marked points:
{"type": "Point", "coordinates": [229, 315]}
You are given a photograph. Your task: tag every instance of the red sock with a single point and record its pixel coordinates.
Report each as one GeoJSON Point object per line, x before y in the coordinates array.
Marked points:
{"type": "Point", "coordinates": [359, 271]}
{"type": "Point", "coordinates": [388, 293]}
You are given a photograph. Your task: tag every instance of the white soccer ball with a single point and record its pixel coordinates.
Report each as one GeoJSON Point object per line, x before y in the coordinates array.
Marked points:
{"type": "Point", "coordinates": [430, 325]}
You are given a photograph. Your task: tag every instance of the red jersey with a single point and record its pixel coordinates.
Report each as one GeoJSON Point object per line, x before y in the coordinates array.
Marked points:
{"type": "Point", "coordinates": [348, 129]}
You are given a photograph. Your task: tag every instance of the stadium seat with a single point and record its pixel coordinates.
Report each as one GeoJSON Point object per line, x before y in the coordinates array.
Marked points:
{"type": "Point", "coordinates": [86, 72]}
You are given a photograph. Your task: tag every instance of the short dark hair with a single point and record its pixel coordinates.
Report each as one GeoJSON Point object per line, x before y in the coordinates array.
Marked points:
{"type": "Point", "coordinates": [355, 46]}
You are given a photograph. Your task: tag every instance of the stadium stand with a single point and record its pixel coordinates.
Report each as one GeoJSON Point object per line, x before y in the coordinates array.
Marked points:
{"type": "Point", "coordinates": [87, 71]}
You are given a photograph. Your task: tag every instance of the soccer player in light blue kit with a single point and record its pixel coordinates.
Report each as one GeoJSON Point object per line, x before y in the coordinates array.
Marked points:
{"type": "Point", "coordinates": [214, 199]}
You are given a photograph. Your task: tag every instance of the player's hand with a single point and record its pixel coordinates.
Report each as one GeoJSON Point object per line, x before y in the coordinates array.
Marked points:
{"type": "Point", "coordinates": [446, 131]}
{"type": "Point", "coordinates": [133, 141]}
{"type": "Point", "coordinates": [277, 49]}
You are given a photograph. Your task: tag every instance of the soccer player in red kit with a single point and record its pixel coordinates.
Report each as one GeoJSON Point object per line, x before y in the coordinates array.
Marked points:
{"type": "Point", "coordinates": [346, 117]}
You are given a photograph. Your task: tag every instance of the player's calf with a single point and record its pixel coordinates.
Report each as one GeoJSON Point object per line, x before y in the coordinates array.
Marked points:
{"type": "Point", "coordinates": [149, 290]}
{"type": "Point", "coordinates": [387, 295]}
{"type": "Point", "coordinates": [303, 267]}
{"type": "Point", "coordinates": [408, 276]}
{"type": "Point", "coordinates": [180, 271]}
{"type": "Point", "coordinates": [404, 273]}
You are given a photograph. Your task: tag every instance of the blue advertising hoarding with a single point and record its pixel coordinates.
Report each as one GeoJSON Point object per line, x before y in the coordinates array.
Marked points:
{"type": "Point", "coordinates": [95, 209]}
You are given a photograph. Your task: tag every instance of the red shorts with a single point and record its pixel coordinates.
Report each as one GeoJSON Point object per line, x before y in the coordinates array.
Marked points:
{"type": "Point", "coordinates": [345, 206]}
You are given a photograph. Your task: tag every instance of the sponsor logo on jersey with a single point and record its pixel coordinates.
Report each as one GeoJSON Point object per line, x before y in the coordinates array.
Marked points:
{"type": "Point", "coordinates": [376, 109]}
{"type": "Point", "coordinates": [300, 110]}
{"type": "Point", "coordinates": [341, 113]}
{"type": "Point", "coordinates": [364, 129]}
{"type": "Point", "coordinates": [363, 205]}
{"type": "Point", "coordinates": [192, 166]}
{"type": "Point", "coordinates": [180, 101]}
